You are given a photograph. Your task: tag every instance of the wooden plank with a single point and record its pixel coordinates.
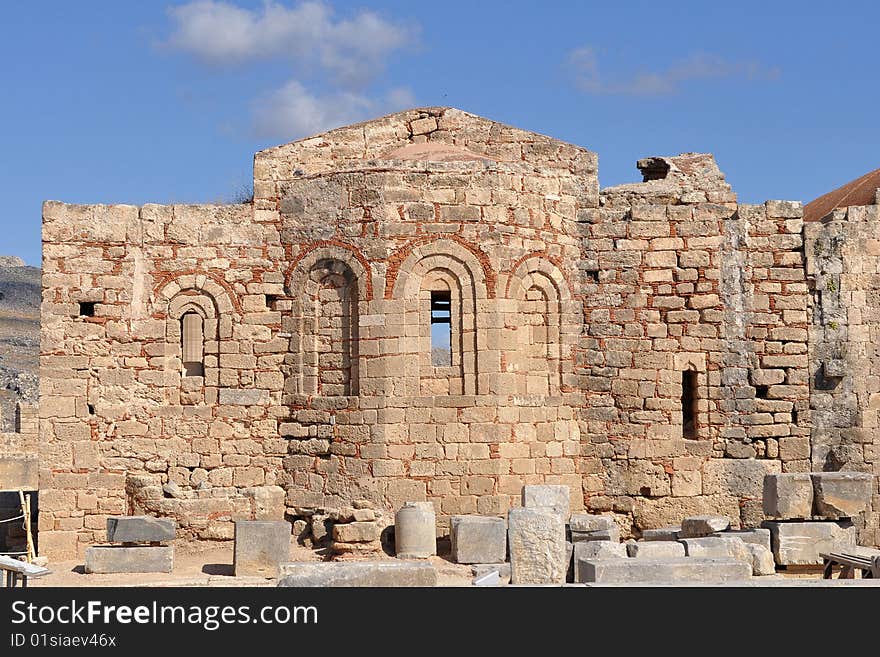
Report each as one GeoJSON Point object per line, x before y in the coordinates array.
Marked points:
{"type": "Point", "coordinates": [28, 569]}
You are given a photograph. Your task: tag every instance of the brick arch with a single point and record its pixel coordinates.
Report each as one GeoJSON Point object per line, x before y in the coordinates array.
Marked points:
{"type": "Point", "coordinates": [407, 265]}
{"type": "Point", "coordinates": [223, 297]}
{"type": "Point", "coordinates": [297, 273]}
{"type": "Point", "coordinates": [539, 262]}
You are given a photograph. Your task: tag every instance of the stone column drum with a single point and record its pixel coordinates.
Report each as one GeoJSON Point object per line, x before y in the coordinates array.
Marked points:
{"type": "Point", "coordinates": [415, 531]}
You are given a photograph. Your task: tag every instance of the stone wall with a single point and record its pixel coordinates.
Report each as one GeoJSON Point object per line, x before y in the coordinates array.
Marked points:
{"type": "Point", "coordinates": [714, 288]}
{"type": "Point", "coordinates": [843, 263]}
{"type": "Point", "coordinates": [646, 347]}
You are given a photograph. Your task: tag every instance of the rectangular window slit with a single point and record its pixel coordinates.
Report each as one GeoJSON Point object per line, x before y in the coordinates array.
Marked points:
{"type": "Point", "coordinates": [87, 308]}
{"type": "Point", "coordinates": [689, 403]}
{"type": "Point", "coordinates": [761, 392]}
{"type": "Point", "coordinates": [441, 328]}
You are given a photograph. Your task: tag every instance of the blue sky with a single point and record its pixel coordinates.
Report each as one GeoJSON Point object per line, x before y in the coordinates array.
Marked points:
{"type": "Point", "coordinates": [136, 102]}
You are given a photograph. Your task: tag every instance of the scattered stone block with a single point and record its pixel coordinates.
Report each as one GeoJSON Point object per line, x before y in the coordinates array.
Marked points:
{"type": "Point", "coordinates": [755, 536]}
{"type": "Point", "coordinates": [557, 498]}
{"type": "Point", "coordinates": [357, 573]}
{"type": "Point", "coordinates": [261, 546]}
{"type": "Point", "coordinates": [415, 531]}
{"type": "Point", "coordinates": [675, 571]}
{"type": "Point", "coordinates": [717, 547]}
{"type": "Point", "coordinates": [699, 526]}
{"type": "Point", "coordinates": [140, 529]}
{"type": "Point", "coordinates": [661, 534]}
{"type": "Point", "coordinates": [356, 532]}
{"type": "Point", "coordinates": [656, 550]}
{"type": "Point", "coordinates": [585, 522]}
{"type": "Point", "coordinates": [600, 550]}
{"type": "Point", "coordinates": [800, 543]}
{"type": "Point", "coordinates": [596, 550]}
{"type": "Point", "coordinates": [478, 539]}
{"type": "Point", "coordinates": [841, 494]}
{"type": "Point", "coordinates": [788, 496]}
{"type": "Point", "coordinates": [611, 534]}
{"type": "Point", "coordinates": [537, 546]}
{"type": "Point", "coordinates": [129, 559]}
{"type": "Point", "coordinates": [503, 570]}
{"type": "Point", "coordinates": [762, 559]}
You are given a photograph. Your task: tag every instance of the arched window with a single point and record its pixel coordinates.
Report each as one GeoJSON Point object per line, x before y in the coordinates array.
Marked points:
{"type": "Point", "coordinates": [324, 328]}
{"type": "Point", "coordinates": [192, 344]}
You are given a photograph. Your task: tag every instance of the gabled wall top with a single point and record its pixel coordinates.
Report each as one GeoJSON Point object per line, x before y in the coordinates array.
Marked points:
{"type": "Point", "coordinates": [430, 134]}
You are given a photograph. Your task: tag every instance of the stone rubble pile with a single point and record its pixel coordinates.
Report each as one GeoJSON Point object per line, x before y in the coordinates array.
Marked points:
{"type": "Point", "coordinates": [347, 532]}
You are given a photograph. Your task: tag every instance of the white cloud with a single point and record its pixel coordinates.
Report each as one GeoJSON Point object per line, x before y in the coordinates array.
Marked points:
{"type": "Point", "coordinates": [342, 56]}
{"type": "Point", "coordinates": [293, 111]}
{"type": "Point", "coordinates": [353, 50]}
{"type": "Point", "coordinates": [584, 63]}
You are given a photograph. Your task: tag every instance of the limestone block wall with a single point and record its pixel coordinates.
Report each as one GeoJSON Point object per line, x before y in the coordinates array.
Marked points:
{"type": "Point", "coordinates": [843, 262]}
{"type": "Point", "coordinates": [118, 417]}
{"type": "Point", "coordinates": [716, 290]}
{"type": "Point", "coordinates": [501, 239]}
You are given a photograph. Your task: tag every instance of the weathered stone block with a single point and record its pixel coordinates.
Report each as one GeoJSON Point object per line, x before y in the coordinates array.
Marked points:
{"type": "Point", "coordinates": [356, 532]}
{"type": "Point", "coordinates": [675, 571]}
{"type": "Point", "coordinates": [124, 559]}
{"type": "Point", "coordinates": [585, 522]}
{"type": "Point", "coordinates": [261, 546]}
{"type": "Point", "coordinates": [537, 546]}
{"type": "Point", "coordinates": [19, 471]}
{"type": "Point", "coordinates": [788, 496]}
{"type": "Point", "coordinates": [140, 529]}
{"type": "Point", "coordinates": [698, 526]}
{"type": "Point", "coordinates": [800, 543]}
{"type": "Point", "coordinates": [717, 547]}
{"type": "Point", "coordinates": [755, 536]}
{"type": "Point", "coordinates": [478, 539]}
{"type": "Point", "coordinates": [655, 549]}
{"type": "Point", "coordinates": [415, 531]}
{"type": "Point", "coordinates": [243, 397]}
{"type": "Point", "coordinates": [611, 534]}
{"type": "Point", "coordinates": [362, 573]}
{"type": "Point", "coordinates": [841, 494]}
{"type": "Point", "coordinates": [596, 550]}
{"type": "Point", "coordinates": [762, 559]}
{"type": "Point", "coordinates": [661, 534]}
{"type": "Point", "coordinates": [545, 496]}
{"type": "Point", "coordinates": [503, 570]}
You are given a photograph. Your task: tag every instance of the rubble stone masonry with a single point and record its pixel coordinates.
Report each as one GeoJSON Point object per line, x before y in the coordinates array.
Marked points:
{"type": "Point", "coordinates": [650, 347]}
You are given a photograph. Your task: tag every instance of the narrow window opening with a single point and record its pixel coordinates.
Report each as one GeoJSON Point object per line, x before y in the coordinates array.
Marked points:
{"type": "Point", "coordinates": [441, 328]}
{"type": "Point", "coordinates": [271, 300]}
{"type": "Point", "coordinates": [761, 392]}
{"type": "Point", "coordinates": [87, 308]}
{"type": "Point", "coordinates": [689, 403]}
{"type": "Point", "coordinates": [593, 275]}
{"type": "Point", "coordinates": [192, 344]}
{"type": "Point", "coordinates": [91, 408]}
{"type": "Point", "coordinates": [794, 416]}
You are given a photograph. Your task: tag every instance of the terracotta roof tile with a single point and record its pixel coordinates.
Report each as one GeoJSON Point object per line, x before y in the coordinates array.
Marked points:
{"type": "Point", "coordinates": [858, 192]}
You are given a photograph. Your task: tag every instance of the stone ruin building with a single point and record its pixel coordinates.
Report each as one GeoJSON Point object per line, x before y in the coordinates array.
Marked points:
{"type": "Point", "coordinates": [433, 306]}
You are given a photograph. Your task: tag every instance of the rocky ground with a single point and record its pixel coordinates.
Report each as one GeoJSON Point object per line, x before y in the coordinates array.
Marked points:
{"type": "Point", "coordinates": [19, 336]}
